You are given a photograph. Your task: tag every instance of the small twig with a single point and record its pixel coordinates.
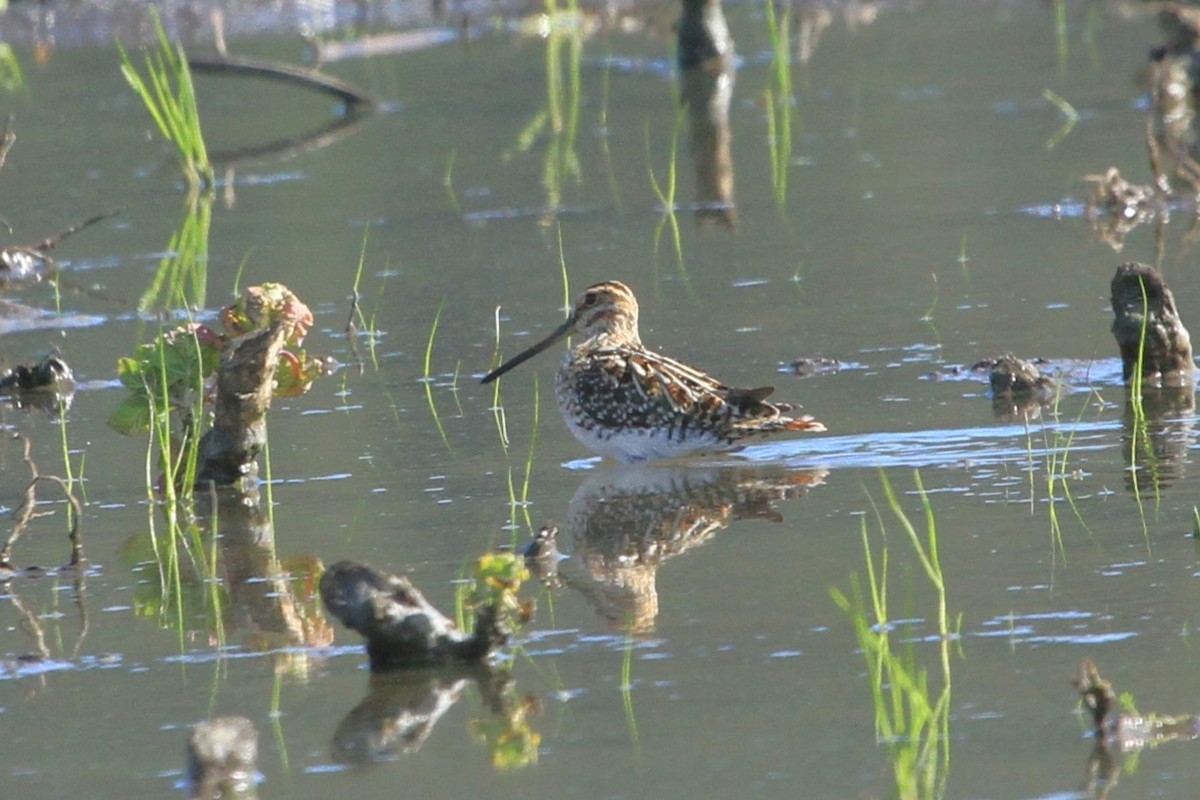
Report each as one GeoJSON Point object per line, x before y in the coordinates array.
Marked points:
{"type": "Point", "coordinates": [25, 513]}
{"type": "Point", "coordinates": [52, 242]}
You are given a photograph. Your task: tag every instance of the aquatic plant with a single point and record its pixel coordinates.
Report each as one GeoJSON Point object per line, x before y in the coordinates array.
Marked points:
{"type": "Point", "coordinates": [358, 321]}
{"type": "Point", "coordinates": [665, 192]}
{"type": "Point", "coordinates": [1058, 452]}
{"type": "Point", "coordinates": [603, 126]}
{"type": "Point", "coordinates": [448, 182]}
{"type": "Point", "coordinates": [910, 720]}
{"type": "Point", "coordinates": [427, 378]}
{"type": "Point", "coordinates": [169, 96]}
{"type": "Point", "coordinates": [627, 691]}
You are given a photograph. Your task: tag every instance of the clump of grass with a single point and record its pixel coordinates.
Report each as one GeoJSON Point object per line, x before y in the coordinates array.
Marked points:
{"type": "Point", "coordinates": [169, 95]}
{"type": "Point", "coordinates": [910, 719]}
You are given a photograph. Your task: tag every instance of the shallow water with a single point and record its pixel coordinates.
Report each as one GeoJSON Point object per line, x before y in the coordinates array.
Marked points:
{"type": "Point", "coordinates": [926, 224]}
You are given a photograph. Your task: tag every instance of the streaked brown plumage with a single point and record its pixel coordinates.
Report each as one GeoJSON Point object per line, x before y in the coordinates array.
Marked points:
{"type": "Point", "coordinates": [624, 401]}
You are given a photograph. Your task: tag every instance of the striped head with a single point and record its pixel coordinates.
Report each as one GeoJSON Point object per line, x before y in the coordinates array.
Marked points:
{"type": "Point", "coordinates": [605, 310]}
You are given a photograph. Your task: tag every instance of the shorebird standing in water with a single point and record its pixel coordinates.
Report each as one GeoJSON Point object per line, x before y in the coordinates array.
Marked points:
{"type": "Point", "coordinates": [624, 401]}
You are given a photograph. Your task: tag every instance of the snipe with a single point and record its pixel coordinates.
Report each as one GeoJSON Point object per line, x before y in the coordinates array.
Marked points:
{"type": "Point", "coordinates": [631, 404]}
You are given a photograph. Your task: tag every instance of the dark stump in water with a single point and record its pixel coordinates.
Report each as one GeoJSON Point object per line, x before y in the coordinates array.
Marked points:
{"type": "Point", "coordinates": [1148, 329]}
{"type": "Point", "coordinates": [245, 378]}
{"type": "Point", "coordinates": [47, 375]}
{"type": "Point", "coordinates": [401, 627]}
{"type": "Point", "coordinates": [1017, 377]}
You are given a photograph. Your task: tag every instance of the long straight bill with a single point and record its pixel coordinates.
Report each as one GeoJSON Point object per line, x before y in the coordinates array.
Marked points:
{"type": "Point", "coordinates": [525, 355]}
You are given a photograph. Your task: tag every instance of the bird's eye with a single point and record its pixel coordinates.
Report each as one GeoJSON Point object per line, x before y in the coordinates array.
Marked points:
{"type": "Point", "coordinates": [589, 299]}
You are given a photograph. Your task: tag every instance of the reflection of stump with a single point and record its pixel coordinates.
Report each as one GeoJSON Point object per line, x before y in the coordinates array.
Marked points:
{"type": "Point", "coordinates": [1147, 327]}
{"type": "Point", "coordinates": [272, 604]}
{"type": "Point", "coordinates": [221, 758]}
{"type": "Point", "coordinates": [1158, 427]}
{"type": "Point", "coordinates": [402, 708]}
{"type": "Point", "coordinates": [706, 63]}
{"type": "Point", "coordinates": [399, 713]}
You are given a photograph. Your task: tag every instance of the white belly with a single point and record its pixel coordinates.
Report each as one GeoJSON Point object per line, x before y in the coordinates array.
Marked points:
{"type": "Point", "coordinates": [632, 445]}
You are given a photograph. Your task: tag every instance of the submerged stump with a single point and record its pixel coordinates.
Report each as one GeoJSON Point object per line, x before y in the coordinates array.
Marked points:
{"type": "Point", "coordinates": [402, 629]}
{"type": "Point", "coordinates": [245, 379]}
{"type": "Point", "coordinates": [1147, 328]}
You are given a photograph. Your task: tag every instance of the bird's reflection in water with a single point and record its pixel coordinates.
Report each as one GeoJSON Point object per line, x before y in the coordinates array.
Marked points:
{"type": "Point", "coordinates": [623, 523]}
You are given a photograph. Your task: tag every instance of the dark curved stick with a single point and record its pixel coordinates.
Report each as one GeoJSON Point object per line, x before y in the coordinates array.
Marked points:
{"type": "Point", "coordinates": [286, 73]}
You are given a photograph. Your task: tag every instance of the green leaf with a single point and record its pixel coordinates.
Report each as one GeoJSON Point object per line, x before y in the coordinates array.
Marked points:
{"type": "Point", "coordinates": [131, 417]}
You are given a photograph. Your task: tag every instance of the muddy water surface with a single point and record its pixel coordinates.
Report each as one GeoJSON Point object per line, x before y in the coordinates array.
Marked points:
{"type": "Point", "coordinates": [691, 647]}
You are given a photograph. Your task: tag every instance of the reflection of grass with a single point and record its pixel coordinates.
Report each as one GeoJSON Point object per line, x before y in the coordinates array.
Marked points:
{"type": "Point", "coordinates": [182, 275]}
{"type": "Point", "coordinates": [1068, 111]}
{"type": "Point", "coordinates": [169, 96]}
{"type": "Point", "coordinates": [910, 719]}
{"type": "Point", "coordinates": [606, 135]}
{"type": "Point", "coordinates": [558, 119]}
{"type": "Point", "coordinates": [1061, 47]}
{"type": "Point", "coordinates": [177, 456]}
{"type": "Point", "coordinates": [665, 192]}
{"type": "Point", "coordinates": [778, 102]}
{"type": "Point", "coordinates": [11, 76]}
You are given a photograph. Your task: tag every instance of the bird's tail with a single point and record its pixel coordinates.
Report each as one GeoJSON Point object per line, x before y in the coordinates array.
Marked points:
{"type": "Point", "coordinates": [805, 423]}
{"type": "Point", "coordinates": [751, 427]}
